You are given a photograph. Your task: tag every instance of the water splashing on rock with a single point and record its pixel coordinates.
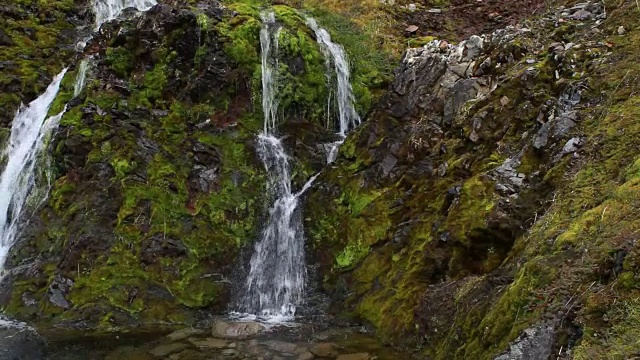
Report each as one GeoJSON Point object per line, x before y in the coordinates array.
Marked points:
{"type": "Point", "coordinates": [338, 72]}
{"type": "Point", "coordinates": [276, 278]}
{"type": "Point", "coordinates": [81, 78]}
{"type": "Point", "coordinates": [107, 10]}
{"type": "Point", "coordinates": [28, 134]}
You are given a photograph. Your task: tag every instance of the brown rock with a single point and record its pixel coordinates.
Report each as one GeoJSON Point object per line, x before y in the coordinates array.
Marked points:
{"type": "Point", "coordinates": [305, 356]}
{"type": "Point", "coordinates": [324, 350]}
{"type": "Point", "coordinates": [411, 29]}
{"type": "Point", "coordinates": [167, 349]}
{"type": "Point", "coordinates": [358, 356]}
{"type": "Point", "coordinates": [184, 333]}
{"type": "Point", "coordinates": [210, 343]}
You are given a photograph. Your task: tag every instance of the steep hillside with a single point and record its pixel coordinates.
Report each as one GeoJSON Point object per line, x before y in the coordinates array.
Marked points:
{"type": "Point", "coordinates": [486, 208]}
{"type": "Point", "coordinates": [493, 190]}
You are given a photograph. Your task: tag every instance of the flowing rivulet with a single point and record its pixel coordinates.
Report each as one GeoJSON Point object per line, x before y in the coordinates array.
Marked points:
{"type": "Point", "coordinates": [337, 71]}
{"type": "Point", "coordinates": [276, 280]}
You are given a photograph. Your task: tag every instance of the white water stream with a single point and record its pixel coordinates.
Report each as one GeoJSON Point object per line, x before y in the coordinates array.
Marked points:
{"type": "Point", "coordinates": [276, 279]}
{"type": "Point", "coordinates": [28, 133]}
{"type": "Point", "coordinates": [30, 130]}
{"type": "Point", "coordinates": [107, 10]}
{"type": "Point", "coordinates": [338, 72]}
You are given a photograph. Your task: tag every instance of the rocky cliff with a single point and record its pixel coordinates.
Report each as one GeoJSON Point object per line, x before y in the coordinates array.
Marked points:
{"type": "Point", "coordinates": [156, 186]}
{"type": "Point", "coordinates": [486, 207]}
{"type": "Point", "coordinates": [491, 191]}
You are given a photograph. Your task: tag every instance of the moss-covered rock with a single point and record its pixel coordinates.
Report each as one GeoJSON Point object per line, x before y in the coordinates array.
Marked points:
{"type": "Point", "coordinates": [463, 211]}
{"type": "Point", "coordinates": [37, 40]}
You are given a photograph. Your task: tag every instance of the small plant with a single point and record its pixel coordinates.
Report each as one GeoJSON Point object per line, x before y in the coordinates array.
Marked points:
{"type": "Point", "coordinates": [203, 21]}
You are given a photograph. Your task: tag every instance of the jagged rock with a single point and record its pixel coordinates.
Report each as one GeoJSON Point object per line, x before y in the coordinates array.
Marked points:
{"type": "Point", "coordinates": [58, 290]}
{"type": "Point", "coordinates": [388, 164]}
{"type": "Point", "coordinates": [18, 342]}
{"type": "Point", "coordinates": [582, 15]}
{"type": "Point", "coordinates": [159, 246]}
{"type": "Point", "coordinates": [472, 48]}
{"type": "Point", "coordinates": [203, 179]}
{"type": "Point", "coordinates": [572, 145]}
{"type": "Point", "coordinates": [5, 39]}
{"type": "Point", "coordinates": [534, 344]}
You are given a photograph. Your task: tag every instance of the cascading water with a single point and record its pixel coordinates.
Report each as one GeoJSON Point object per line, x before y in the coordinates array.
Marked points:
{"type": "Point", "coordinates": [107, 10]}
{"type": "Point", "coordinates": [28, 133]}
{"type": "Point", "coordinates": [338, 65]}
{"type": "Point", "coordinates": [276, 279]}
{"type": "Point", "coordinates": [81, 78]}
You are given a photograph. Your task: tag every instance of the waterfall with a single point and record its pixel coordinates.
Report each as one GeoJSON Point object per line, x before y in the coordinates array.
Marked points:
{"type": "Point", "coordinates": [81, 78]}
{"type": "Point", "coordinates": [29, 131]}
{"type": "Point", "coordinates": [338, 69]}
{"type": "Point", "coordinates": [107, 10]}
{"type": "Point", "coordinates": [276, 279]}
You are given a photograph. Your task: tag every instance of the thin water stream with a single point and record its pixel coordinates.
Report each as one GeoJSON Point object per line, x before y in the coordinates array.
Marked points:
{"type": "Point", "coordinates": [338, 76]}
{"type": "Point", "coordinates": [276, 281]}
{"type": "Point", "coordinates": [28, 133]}
{"type": "Point", "coordinates": [107, 10]}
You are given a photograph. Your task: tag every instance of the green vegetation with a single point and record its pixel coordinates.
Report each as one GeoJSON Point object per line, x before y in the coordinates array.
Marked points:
{"type": "Point", "coordinates": [39, 47]}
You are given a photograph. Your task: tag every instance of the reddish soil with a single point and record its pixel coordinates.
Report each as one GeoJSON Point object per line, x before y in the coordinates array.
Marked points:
{"type": "Point", "coordinates": [463, 18]}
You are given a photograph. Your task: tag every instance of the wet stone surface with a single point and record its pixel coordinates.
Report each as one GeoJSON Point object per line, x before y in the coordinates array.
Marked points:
{"type": "Point", "coordinates": [248, 340]}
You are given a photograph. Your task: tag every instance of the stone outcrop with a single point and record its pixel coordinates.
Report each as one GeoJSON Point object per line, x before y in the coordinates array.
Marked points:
{"type": "Point", "coordinates": [450, 209]}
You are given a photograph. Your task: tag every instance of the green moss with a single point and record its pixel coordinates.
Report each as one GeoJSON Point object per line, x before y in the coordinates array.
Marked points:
{"type": "Point", "coordinates": [476, 202]}
{"type": "Point", "coordinates": [120, 60]}
{"type": "Point", "coordinates": [242, 35]}
{"type": "Point", "coordinates": [371, 66]}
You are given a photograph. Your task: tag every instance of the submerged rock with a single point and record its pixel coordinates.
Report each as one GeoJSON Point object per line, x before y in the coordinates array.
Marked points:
{"type": "Point", "coordinates": [236, 330]}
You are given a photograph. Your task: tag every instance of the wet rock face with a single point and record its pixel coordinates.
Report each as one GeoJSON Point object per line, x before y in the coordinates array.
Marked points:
{"type": "Point", "coordinates": [20, 343]}
{"type": "Point", "coordinates": [153, 196]}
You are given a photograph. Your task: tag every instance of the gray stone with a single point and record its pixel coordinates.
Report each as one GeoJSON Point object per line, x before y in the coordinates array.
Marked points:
{"type": "Point", "coordinates": [472, 47]}
{"type": "Point", "coordinates": [541, 138]}
{"type": "Point", "coordinates": [442, 169]}
{"type": "Point", "coordinates": [581, 15]}
{"type": "Point", "coordinates": [388, 164]}
{"type": "Point", "coordinates": [572, 145]}
{"type": "Point", "coordinates": [58, 290]}
{"type": "Point", "coordinates": [534, 344]}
